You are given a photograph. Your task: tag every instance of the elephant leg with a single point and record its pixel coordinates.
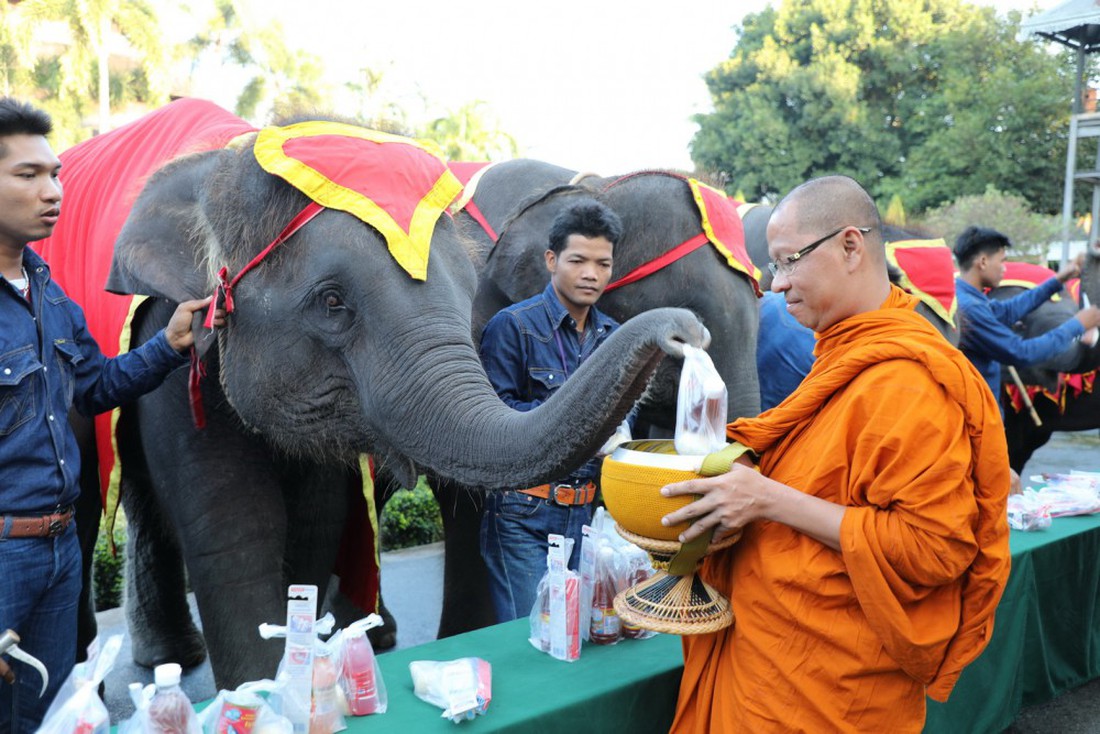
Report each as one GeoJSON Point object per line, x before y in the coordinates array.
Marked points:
{"type": "Point", "coordinates": [89, 509]}
{"type": "Point", "coordinates": [157, 612]}
{"type": "Point", "coordinates": [466, 604]}
{"type": "Point", "coordinates": [316, 507]}
{"type": "Point", "coordinates": [224, 491]}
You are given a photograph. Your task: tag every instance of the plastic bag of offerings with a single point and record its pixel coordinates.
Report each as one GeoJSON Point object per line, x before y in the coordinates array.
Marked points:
{"type": "Point", "coordinates": [700, 405]}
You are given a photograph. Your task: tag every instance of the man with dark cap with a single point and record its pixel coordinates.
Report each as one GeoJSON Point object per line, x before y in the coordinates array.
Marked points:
{"type": "Point", "coordinates": [987, 338]}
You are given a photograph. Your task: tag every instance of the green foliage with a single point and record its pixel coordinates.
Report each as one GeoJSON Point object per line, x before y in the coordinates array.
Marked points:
{"type": "Point", "coordinates": [928, 101]}
{"type": "Point", "coordinates": [284, 81]}
{"type": "Point", "coordinates": [107, 577]}
{"type": "Point", "coordinates": [895, 212]}
{"type": "Point", "coordinates": [470, 133]}
{"type": "Point", "coordinates": [1029, 232]}
{"type": "Point", "coordinates": [411, 517]}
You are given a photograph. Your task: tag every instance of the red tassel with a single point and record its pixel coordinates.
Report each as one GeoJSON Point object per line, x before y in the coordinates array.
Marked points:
{"type": "Point", "coordinates": [194, 390]}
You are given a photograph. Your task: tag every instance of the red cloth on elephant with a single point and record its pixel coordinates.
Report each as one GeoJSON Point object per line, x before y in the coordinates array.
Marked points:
{"type": "Point", "coordinates": [895, 424]}
{"type": "Point", "coordinates": [102, 178]}
{"type": "Point", "coordinates": [1025, 275]}
{"type": "Point", "coordinates": [928, 272]}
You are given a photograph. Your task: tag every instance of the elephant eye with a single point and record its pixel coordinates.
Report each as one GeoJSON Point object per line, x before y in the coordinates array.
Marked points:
{"type": "Point", "coordinates": [332, 300]}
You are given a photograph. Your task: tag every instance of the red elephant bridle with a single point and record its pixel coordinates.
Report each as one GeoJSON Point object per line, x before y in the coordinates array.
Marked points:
{"type": "Point", "coordinates": [223, 296]}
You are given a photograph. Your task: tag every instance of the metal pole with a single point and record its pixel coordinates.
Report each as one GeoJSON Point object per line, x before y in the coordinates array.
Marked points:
{"type": "Point", "coordinates": [1067, 195]}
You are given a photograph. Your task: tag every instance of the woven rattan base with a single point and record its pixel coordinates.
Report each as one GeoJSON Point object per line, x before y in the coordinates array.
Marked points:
{"type": "Point", "coordinates": [677, 605]}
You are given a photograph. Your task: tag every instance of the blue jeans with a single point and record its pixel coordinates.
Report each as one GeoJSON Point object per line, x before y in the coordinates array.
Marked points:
{"type": "Point", "coordinates": [514, 527]}
{"type": "Point", "coordinates": [39, 593]}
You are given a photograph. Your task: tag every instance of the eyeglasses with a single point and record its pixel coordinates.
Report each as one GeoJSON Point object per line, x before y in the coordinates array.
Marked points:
{"type": "Point", "coordinates": [787, 265]}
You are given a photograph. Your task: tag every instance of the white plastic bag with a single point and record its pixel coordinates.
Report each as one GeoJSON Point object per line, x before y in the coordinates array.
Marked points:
{"type": "Point", "coordinates": [77, 706]}
{"type": "Point", "coordinates": [462, 688]}
{"type": "Point", "coordinates": [700, 405]}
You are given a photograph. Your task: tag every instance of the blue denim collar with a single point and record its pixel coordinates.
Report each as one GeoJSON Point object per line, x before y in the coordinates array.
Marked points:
{"type": "Point", "coordinates": [558, 313]}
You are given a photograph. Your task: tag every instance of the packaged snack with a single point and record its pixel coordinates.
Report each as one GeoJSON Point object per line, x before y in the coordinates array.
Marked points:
{"type": "Point", "coordinates": [462, 688]}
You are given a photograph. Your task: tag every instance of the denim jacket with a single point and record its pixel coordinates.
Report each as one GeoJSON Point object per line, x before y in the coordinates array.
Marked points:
{"type": "Point", "coordinates": [49, 363]}
{"type": "Point", "coordinates": [521, 354]}
{"type": "Point", "coordinates": [988, 339]}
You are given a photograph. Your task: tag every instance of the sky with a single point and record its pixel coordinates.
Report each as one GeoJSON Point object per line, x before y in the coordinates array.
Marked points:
{"type": "Point", "coordinates": [607, 86]}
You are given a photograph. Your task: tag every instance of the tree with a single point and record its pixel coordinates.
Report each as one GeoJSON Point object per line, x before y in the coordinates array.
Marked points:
{"type": "Point", "coordinates": [284, 80]}
{"type": "Point", "coordinates": [928, 101]}
{"type": "Point", "coordinates": [1010, 214]}
{"type": "Point", "coordinates": [471, 134]}
{"type": "Point", "coordinates": [16, 49]}
{"type": "Point", "coordinates": [85, 63]}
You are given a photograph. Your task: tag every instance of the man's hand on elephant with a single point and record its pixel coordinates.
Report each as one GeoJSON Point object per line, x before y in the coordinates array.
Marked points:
{"type": "Point", "coordinates": [1072, 269]}
{"type": "Point", "coordinates": [178, 331]}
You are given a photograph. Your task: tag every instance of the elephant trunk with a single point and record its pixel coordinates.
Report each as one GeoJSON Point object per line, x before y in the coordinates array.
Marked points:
{"type": "Point", "coordinates": [449, 420]}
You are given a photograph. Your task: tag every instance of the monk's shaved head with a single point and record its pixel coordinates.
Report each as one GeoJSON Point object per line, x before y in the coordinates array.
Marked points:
{"type": "Point", "coordinates": [829, 262]}
{"type": "Point", "coordinates": [831, 202]}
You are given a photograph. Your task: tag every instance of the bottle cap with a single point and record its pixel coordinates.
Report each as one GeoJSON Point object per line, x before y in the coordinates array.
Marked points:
{"type": "Point", "coordinates": [167, 675]}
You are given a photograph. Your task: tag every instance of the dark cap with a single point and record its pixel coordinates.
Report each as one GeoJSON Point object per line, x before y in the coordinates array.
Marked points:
{"type": "Point", "coordinates": [978, 239]}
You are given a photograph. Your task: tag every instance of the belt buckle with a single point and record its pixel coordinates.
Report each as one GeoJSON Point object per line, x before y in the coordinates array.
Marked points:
{"type": "Point", "coordinates": [554, 494]}
{"type": "Point", "coordinates": [55, 528]}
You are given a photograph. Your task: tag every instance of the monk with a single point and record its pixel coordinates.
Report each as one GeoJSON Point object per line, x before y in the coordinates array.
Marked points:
{"type": "Point", "coordinates": [875, 545]}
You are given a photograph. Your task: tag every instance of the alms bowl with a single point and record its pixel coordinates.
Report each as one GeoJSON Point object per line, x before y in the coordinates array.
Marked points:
{"type": "Point", "coordinates": [631, 482]}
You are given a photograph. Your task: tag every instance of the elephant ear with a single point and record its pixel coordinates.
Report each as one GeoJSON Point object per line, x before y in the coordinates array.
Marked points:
{"type": "Point", "coordinates": [162, 247]}
{"type": "Point", "coordinates": [517, 264]}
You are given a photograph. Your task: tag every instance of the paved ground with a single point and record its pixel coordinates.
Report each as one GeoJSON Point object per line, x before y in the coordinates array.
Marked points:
{"type": "Point", "coordinates": [412, 583]}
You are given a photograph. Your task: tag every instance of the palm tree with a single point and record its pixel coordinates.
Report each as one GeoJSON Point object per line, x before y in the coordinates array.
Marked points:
{"type": "Point", "coordinates": [16, 52]}
{"type": "Point", "coordinates": [93, 25]}
{"type": "Point", "coordinates": [470, 134]}
{"type": "Point", "coordinates": [284, 79]}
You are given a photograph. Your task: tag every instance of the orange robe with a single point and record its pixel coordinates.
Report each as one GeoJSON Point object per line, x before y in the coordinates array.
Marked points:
{"type": "Point", "coordinates": [895, 424]}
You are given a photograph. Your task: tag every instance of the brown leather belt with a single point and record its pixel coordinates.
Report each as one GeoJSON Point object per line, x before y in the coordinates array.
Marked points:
{"type": "Point", "coordinates": [42, 526]}
{"type": "Point", "coordinates": [564, 494]}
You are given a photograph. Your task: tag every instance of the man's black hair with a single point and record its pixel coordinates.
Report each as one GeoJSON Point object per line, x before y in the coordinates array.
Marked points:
{"type": "Point", "coordinates": [20, 118]}
{"type": "Point", "coordinates": [590, 219]}
{"type": "Point", "coordinates": [975, 241]}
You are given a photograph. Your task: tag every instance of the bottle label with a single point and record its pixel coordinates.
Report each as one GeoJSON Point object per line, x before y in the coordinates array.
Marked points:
{"type": "Point", "coordinates": [605, 621]}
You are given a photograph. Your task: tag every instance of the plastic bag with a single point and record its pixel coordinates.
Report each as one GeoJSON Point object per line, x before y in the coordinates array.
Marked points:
{"type": "Point", "coordinates": [243, 711]}
{"type": "Point", "coordinates": [1028, 511]}
{"type": "Point", "coordinates": [621, 435]}
{"type": "Point", "coordinates": [326, 700]}
{"type": "Point", "coordinates": [555, 615]}
{"type": "Point", "coordinates": [462, 688]}
{"type": "Point", "coordinates": [701, 405]}
{"type": "Point", "coordinates": [77, 707]}
{"type": "Point", "coordinates": [360, 677]}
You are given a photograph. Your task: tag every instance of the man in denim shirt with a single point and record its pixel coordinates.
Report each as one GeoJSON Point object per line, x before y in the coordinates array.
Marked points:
{"type": "Point", "coordinates": [987, 338]}
{"type": "Point", "coordinates": [529, 350]}
{"type": "Point", "coordinates": [48, 364]}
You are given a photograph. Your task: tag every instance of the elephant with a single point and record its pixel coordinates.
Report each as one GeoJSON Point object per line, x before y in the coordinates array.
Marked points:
{"type": "Point", "coordinates": [331, 351]}
{"type": "Point", "coordinates": [1076, 409]}
{"type": "Point", "coordinates": [658, 213]}
{"type": "Point", "coordinates": [490, 199]}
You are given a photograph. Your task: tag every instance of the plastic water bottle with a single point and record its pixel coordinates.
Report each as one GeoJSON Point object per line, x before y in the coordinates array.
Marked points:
{"type": "Point", "coordinates": [361, 690]}
{"type": "Point", "coordinates": [170, 711]}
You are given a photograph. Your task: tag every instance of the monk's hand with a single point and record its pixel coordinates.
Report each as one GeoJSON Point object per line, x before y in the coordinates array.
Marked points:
{"type": "Point", "coordinates": [726, 502]}
{"type": "Point", "coordinates": [178, 331]}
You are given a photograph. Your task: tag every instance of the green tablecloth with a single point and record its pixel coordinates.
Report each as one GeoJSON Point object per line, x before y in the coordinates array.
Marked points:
{"type": "Point", "coordinates": [630, 686]}
{"type": "Point", "coordinates": [1046, 640]}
